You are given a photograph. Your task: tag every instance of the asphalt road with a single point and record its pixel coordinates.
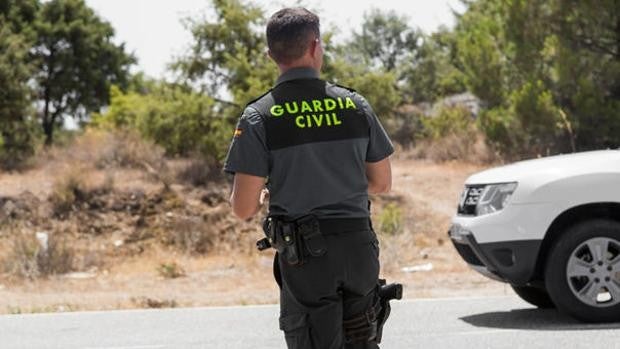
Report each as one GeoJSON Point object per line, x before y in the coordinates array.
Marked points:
{"type": "Point", "coordinates": [502, 322]}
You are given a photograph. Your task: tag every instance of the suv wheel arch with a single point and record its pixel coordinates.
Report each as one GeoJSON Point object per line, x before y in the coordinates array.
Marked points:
{"type": "Point", "coordinates": [568, 218]}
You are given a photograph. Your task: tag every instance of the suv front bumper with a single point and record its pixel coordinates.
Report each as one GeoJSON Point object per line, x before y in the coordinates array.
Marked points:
{"type": "Point", "coordinates": [504, 245]}
{"type": "Point", "coordinates": [507, 261]}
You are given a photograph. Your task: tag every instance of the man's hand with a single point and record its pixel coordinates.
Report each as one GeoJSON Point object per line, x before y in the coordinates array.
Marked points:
{"type": "Point", "coordinates": [264, 196]}
{"type": "Point", "coordinates": [246, 195]}
{"type": "Point", "coordinates": [379, 176]}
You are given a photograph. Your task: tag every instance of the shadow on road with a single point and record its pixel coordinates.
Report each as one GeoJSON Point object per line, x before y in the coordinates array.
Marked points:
{"type": "Point", "coordinates": [532, 319]}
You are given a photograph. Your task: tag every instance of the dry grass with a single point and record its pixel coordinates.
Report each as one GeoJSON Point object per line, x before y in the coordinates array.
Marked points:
{"type": "Point", "coordinates": [67, 191]}
{"type": "Point", "coordinates": [190, 234]}
{"type": "Point", "coordinates": [37, 255]}
{"type": "Point", "coordinates": [427, 194]}
{"type": "Point", "coordinates": [128, 150]}
{"type": "Point", "coordinates": [456, 147]}
{"type": "Point", "coordinates": [199, 172]}
{"type": "Point", "coordinates": [103, 149]}
{"type": "Point", "coordinates": [53, 308]}
{"type": "Point", "coordinates": [146, 302]}
{"type": "Point", "coordinates": [136, 237]}
{"type": "Point", "coordinates": [74, 186]}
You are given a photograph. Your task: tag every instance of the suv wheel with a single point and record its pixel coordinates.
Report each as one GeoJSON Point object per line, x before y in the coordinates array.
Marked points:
{"type": "Point", "coordinates": [534, 295]}
{"type": "Point", "coordinates": [582, 274]}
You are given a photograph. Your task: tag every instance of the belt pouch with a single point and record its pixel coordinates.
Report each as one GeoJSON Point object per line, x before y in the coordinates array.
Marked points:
{"type": "Point", "coordinates": [308, 228]}
{"type": "Point", "coordinates": [290, 242]}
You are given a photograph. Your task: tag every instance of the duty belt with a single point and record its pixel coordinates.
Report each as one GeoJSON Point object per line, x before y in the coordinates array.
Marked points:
{"type": "Point", "coordinates": [333, 226]}
{"type": "Point", "coordinates": [293, 238]}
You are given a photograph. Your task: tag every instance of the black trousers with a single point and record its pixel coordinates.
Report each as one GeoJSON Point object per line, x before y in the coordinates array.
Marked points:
{"type": "Point", "coordinates": [316, 296]}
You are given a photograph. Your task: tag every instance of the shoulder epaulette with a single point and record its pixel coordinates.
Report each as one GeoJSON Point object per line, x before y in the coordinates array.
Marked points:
{"type": "Point", "coordinates": [258, 98]}
{"type": "Point", "coordinates": [345, 87]}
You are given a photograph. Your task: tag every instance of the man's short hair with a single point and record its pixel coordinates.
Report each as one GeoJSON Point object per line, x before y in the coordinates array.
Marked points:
{"type": "Point", "coordinates": [290, 32]}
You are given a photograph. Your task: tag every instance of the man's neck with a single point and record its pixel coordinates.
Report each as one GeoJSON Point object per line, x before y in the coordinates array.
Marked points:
{"type": "Point", "coordinates": [299, 72]}
{"type": "Point", "coordinates": [284, 69]}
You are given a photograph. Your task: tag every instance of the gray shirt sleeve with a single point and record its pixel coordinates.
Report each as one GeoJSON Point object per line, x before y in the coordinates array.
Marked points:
{"type": "Point", "coordinates": [248, 151]}
{"type": "Point", "coordinates": [379, 145]}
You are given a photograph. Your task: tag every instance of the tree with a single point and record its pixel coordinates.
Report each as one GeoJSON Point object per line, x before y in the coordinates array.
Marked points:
{"type": "Point", "coordinates": [16, 126]}
{"type": "Point", "coordinates": [228, 59]}
{"type": "Point", "coordinates": [378, 86]}
{"type": "Point", "coordinates": [433, 73]}
{"type": "Point", "coordinates": [386, 40]}
{"type": "Point", "coordinates": [19, 15]}
{"type": "Point", "coordinates": [548, 70]}
{"type": "Point", "coordinates": [483, 52]}
{"type": "Point", "coordinates": [587, 69]}
{"type": "Point", "coordinates": [76, 62]}
{"type": "Point", "coordinates": [592, 25]}
{"type": "Point", "coordinates": [424, 65]}
{"type": "Point", "coordinates": [228, 56]}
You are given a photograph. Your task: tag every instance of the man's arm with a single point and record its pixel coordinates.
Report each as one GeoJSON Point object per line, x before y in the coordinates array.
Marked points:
{"type": "Point", "coordinates": [246, 193]}
{"type": "Point", "coordinates": [378, 168]}
{"type": "Point", "coordinates": [248, 161]}
{"type": "Point", "coordinates": [379, 176]}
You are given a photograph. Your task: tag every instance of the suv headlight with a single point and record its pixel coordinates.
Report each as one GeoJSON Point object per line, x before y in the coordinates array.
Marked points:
{"type": "Point", "coordinates": [479, 200]}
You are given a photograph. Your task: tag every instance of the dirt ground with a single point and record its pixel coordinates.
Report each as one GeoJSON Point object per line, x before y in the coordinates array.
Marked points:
{"type": "Point", "coordinates": [425, 194]}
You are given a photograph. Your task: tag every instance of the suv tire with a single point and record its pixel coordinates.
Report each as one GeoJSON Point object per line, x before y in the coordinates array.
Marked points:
{"type": "Point", "coordinates": [582, 274]}
{"type": "Point", "coordinates": [534, 295]}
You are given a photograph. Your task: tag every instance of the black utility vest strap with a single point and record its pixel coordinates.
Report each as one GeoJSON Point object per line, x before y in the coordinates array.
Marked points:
{"type": "Point", "coordinates": [307, 111]}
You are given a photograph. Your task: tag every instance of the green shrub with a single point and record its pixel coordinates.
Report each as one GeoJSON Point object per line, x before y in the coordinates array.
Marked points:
{"type": "Point", "coordinates": [453, 134]}
{"type": "Point", "coordinates": [449, 121]}
{"type": "Point", "coordinates": [181, 121]}
{"type": "Point", "coordinates": [17, 143]}
{"type": "Point", "coordinates": [390, 219]}
{"type": "Point", "coordinates": [532, 125]}
{"type": "Point", "coordinates": [170, 270]}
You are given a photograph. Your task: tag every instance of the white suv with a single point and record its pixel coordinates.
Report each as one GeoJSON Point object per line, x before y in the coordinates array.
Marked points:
{"type": "Point", "coordinates": [551, 228]}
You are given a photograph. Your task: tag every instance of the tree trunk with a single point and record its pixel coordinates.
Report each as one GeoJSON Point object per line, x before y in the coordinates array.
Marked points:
{"type": "Point", "coordinates": [47, 122]}
{"type": "Point", "coordinates": [617, 34]}
{"type": "Point", "coordinates": [48, 129]}
{"type": "Point", "coordinates": [618, 37]}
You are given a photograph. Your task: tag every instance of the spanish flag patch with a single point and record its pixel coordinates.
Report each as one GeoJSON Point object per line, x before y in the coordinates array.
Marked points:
{"type": "Point", "coordinates": [238, 132]}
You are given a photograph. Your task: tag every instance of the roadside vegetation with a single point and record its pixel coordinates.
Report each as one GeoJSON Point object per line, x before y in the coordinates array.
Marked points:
{"type": "Point", "coordinates": [142, 172]}
{"type": "Point", "coordinates": [534, 78]}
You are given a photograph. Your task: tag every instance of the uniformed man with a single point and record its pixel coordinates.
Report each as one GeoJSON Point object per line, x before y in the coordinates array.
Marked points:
{"type": "Point", "coordinates": [320, 150]}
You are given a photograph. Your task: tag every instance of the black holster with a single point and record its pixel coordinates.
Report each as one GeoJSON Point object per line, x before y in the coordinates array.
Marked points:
{"type": "Point", "coordinates": [386, 294]}
{"type": "Point", "coordinates": [368, 326]}
{"type": "Point", "coordinates": [292, 238]}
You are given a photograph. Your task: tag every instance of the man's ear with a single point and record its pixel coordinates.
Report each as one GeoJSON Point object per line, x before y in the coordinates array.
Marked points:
{"type": "Point", "coordinates": [314, 45]}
